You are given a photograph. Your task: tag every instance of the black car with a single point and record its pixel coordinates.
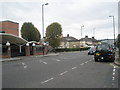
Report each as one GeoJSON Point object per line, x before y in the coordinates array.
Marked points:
{"type": "Point", "coordinates": [91, 51]}
{"type": "Point", "coordinates": [104, 52]}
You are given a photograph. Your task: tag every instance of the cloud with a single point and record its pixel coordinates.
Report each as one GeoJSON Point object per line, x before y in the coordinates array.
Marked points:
{"type": "Point", "coordinates": [70, 14]}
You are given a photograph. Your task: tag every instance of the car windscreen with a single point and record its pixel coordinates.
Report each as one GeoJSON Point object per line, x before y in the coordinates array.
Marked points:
{"type": "Point", "coordinates": [92, 49]}
{"type": "Point", "coordinates": [102, 47]}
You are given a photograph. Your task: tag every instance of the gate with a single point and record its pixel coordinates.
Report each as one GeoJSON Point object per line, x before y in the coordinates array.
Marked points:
{"type": "Point", "coordinates": [17, 50]}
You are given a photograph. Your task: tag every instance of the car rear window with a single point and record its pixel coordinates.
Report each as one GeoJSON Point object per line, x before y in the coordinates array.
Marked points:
{"type": "Point", "coordinates": [103, 47]}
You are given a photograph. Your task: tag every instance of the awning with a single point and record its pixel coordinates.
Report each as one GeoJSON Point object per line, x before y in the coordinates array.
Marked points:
{"type": "Point", "coordinates": [12, 39]}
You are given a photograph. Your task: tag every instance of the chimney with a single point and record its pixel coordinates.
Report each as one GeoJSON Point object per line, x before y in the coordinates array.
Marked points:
{"type": "Point", "coordinates": [93, 38]}
{"type": "Point", "coordinates": [86, 36]}
{"type": "Point", "coordinates": [67, 35]}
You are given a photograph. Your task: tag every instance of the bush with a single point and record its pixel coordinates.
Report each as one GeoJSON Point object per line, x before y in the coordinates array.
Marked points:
{"type": "Point", "coordinates": [70, 49]}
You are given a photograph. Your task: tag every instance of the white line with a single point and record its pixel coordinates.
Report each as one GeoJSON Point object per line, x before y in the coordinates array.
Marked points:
{"type": "Point", "coordinates": [45, 62]}
{"type": "Point", "coordinates": [23, 63]}
{"type": "Point", "coordinates": [82, 64]}
{"type": "Point", "coordinates": [47, 80]}
{"type": "Point", "coordinates": [90, 60]}
{"type": "Point", "coordinates": [113, 78]}
{"type": "Point", "coordinates": [113, 73]}
{"type": "Point", "coordinates": [74, 67]}
{"type": "Point", "coordinates": [25, 66]}
{"type": "Point", "coordinates": [114, 66]}
{"type": "Point", "coordinates": [57, 60]}
{"type": "Point", "coordinates": [63, 73]}
{"type": "Point", "coordinates": [113, 70]}
{"type": "Point", "coordinates": [86, 62]}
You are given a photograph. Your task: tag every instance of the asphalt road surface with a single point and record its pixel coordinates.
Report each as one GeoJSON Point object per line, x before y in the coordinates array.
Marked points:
{"type": "Point", "coordinates": [66, 70]}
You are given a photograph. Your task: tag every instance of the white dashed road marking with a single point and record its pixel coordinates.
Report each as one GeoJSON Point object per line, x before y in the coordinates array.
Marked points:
{"type": "Point", "coordinates": [47, 80]}
{"type": "Point", "coordinates": [86, 62]}
{"type": "Point", "coordinates": [63, 73]}
{"type": "Point", "coordinates": [57, 60]}
{"type": "Point", "coordinates": [113, 78]}
{"type": "Point", "coordinates": [90, 60]}
{"type": "Point", "coordinates": [43, 62]}
{"type": "Point", "coordinates": [114, 67]}
{"type": "Point", "coordinates": [24, 65]}
{"type": "Point", "coordinates": [113, 70]}
{"type": "Point", "coordinates": [82, 64]}
{"type": "Point", "coordinates": [74, 67]}
{"type": "Point", "coordinates": [113, 73]}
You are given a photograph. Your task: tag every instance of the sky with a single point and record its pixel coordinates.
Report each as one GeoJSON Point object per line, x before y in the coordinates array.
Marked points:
{"type": "Point", "coordinates": [71, 14]}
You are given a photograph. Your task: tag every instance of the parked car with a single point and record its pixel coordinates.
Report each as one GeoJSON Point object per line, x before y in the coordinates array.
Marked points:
{"type": "Point", "coordinates": [104, 52]}
{"type": "Point", "coordinates": [91, 51]}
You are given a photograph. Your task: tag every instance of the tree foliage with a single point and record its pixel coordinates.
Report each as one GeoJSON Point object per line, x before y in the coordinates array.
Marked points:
{"type": "Point", "coordinates": [54, 34]}
{"type": "Point", "coordinates": [29, 32]}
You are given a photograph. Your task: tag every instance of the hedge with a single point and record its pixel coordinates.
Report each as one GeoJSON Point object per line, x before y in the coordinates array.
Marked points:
{"type": "Point", "coordinates": [71, 49]}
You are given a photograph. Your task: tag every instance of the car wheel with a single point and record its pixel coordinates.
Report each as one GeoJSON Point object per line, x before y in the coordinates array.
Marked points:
{"type": "Point", "coordinates": [113, 60]}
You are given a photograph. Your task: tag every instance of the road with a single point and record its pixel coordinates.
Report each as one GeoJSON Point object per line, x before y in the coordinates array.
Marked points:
{"type": "Point", "coordinates": [66, 70]}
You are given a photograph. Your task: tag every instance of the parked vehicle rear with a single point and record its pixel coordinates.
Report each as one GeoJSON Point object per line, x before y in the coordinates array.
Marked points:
{"type": "Point", "coordinates": [104, 52]}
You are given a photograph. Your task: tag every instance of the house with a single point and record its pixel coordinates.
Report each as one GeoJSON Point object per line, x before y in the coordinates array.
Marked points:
{"type": "Point", "coordinates": [69, 42]}
{"type": "Point", "coordinates": [88, 42]}
{"type": "Point", "coordinates": [9, 27]}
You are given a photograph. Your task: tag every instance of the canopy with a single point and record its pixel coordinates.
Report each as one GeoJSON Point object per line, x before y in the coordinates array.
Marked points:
{"type": "Point", "coordinates": [12, 39]}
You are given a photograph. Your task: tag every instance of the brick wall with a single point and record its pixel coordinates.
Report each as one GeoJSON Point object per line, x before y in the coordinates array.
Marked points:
{"type": "Point", "coordinates": [10, 27]}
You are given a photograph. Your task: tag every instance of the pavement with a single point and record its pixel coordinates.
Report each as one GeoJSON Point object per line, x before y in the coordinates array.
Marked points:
{"type": "Point", "coordinates": [117, 59]}
{"type": "Point", "coordinates": [20, 58]}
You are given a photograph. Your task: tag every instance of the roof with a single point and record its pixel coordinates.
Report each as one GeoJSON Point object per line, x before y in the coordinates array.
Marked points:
{"type": "Point", "coordinates": [88, 39]}
{"type": "Point", "coordinates": [4, 37]}
{"type": "Point", "coordinates": [69, 39]}
{"type": "Point", "coordinates": [9, 21]}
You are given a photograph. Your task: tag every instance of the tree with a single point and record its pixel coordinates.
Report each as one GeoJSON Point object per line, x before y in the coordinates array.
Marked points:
{"type": "Point", "coordinates": [54, 34]}
{"type": "Point", "coordinates": [29, 32]}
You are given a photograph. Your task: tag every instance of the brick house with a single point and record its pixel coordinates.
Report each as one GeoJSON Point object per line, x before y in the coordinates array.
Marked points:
{"type": "Point", "coordinates": [9, 27]}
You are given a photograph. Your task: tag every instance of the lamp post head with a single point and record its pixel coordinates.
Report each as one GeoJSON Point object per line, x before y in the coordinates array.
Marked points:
{"type": "Point", "coordinates": [82, 26]}
{"type": "Point", "coordinates": [111, 16]}
{"type": "Point", "coordinates": [46, 3]}
{"type": "Point", "coordinates": [7, 44]}
{"type": "Point", "coordinates": [33, 44]}
{"type": "Point", "coordinates": [27, 44]}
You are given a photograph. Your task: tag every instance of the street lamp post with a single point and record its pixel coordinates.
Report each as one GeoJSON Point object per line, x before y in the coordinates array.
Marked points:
{"type": "Point", "coordinates": [94, 32]}
{"type": "Point", "coordinates": [113, 27]}
{"type": "Point", "coordinates": [43, 17]}
{"type": "Point", "coordinates": [81, 30]}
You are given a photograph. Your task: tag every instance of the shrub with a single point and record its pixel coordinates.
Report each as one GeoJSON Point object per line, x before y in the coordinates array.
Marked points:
{"type": "Point", "coordinates": [70, 49]}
